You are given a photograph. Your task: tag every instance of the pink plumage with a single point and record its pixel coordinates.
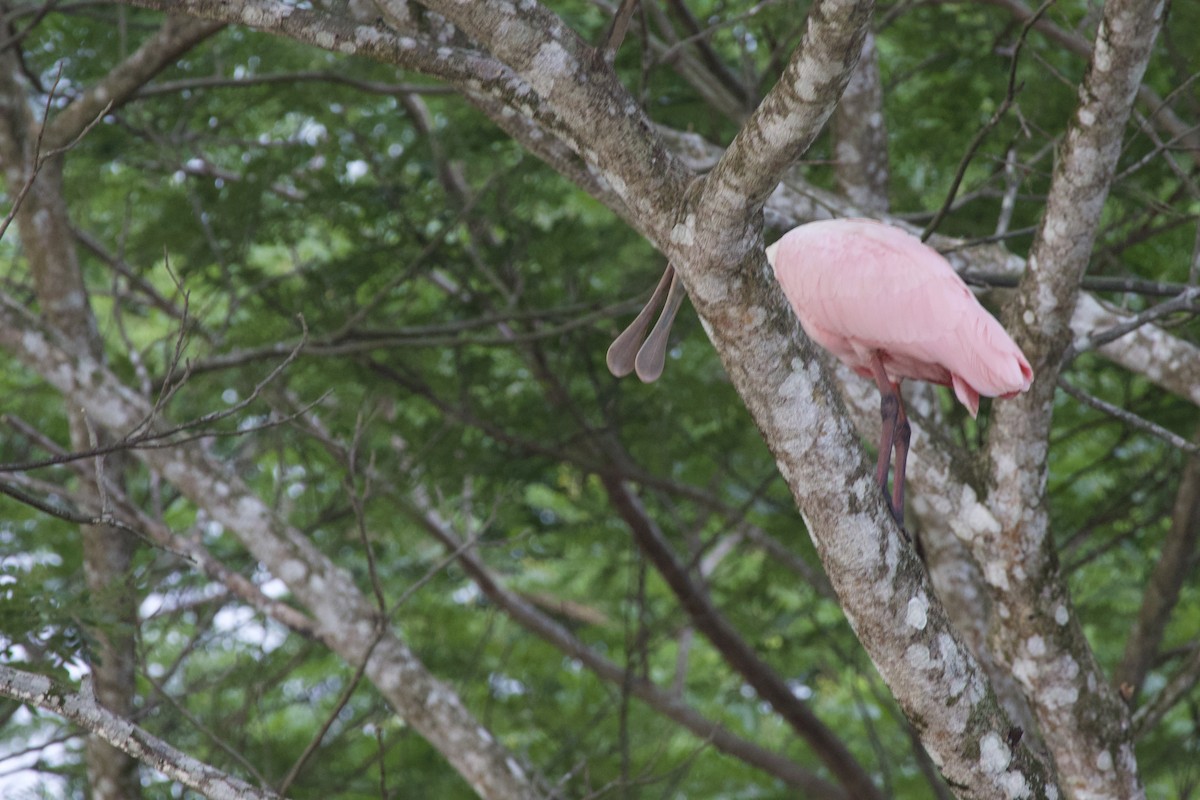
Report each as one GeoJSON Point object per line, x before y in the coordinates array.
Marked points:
{"type": "Point", "coordinates": [890, 307]}
{"type": "Point", "coordinates": [863, 288]}
{"type": "Point", "coordinates": [883, 302]}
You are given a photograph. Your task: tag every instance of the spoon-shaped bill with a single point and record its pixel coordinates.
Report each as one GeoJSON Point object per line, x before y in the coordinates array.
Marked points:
{"type": "Point", "coordinates": [622, 354]}
{"type": "Point", "coordinates": [653, 354]}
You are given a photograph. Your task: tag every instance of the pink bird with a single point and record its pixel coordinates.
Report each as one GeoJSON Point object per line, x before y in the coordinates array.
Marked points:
{"type": "Point", "coordinates": [886, 304]}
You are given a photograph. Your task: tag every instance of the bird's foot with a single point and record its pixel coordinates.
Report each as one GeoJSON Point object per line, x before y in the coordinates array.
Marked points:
{"type": "Point", "coordinates": [898, 515]}
{"type": "Point", "coordinates": [915, 542]}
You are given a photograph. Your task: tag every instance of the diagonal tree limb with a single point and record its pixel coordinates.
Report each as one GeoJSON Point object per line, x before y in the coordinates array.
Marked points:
{"type": "Point", "coordinates": [1168, 361]}
{"type": "Point", "coordinates": [714, 84]}
{"type": "Point", "coordinates": [176, 36]}
{"type": "Point", "coordinates": [669, 706]}
{"type": "Point", "coordinates": [1035, 632]}
{"type": "Point", "coordinates": [1130, 419]}
{"type": "Point", "coordinates": [82, 709]}
{"type": "Point", "coordinates": [344, 619]}
{"type": "Point", "coordinates": [790, 116]}
{"type": "Point", "coordinates": [1176, 690]}
{"type": "Point", "coordinates": [708, 619]}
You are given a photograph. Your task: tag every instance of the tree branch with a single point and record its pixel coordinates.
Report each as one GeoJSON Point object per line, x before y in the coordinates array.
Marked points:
{"type": "Point", "coordinates": [793, 112]}
{"type": "Point", "coordinates": [860, 135]}
{"type": "Point", "coordinates": [1035, 633]}
{"type": "Point", "coordinates": [708, 619]}
{"type": "Point", "coordinates": [1175, 563]}
{"type": "Point", "coordinates": [176, 36]}
{"type": "Point", "coordinates": [345, 620]}
{"type": "Point", "coordinates": [82, 709]}
{"type": "Point", "coordinates": [671, 707]}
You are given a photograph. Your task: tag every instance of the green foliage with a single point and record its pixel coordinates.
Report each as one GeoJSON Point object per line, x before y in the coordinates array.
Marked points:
{"type": "Point", "coordinates": [441, 340]}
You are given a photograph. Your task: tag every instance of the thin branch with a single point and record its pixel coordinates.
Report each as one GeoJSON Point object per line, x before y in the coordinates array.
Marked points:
{"type": "Point", "coordinates": [1175, 562]}
{"type": "Point", "coordinates": [39, 14]}
{"type": "Point", "coordinates": [208, 733]}
{"type": "Point", "coordinates": [131, 518]}
{"type": "Point", "coordinates": [671, 707]}
{"type": "Point", "coordinates": [1008, 200]}
{"type": "Point", "coordinates": [1187, 300]}
{"type": "Point", "coordinates": [1093, 283]}
{"type": "Point", "coordinates": [82, 709]}
{"type": "Point", "coordinates": [290, 78]}
{"type": "Point", "coordinates": [176, 36]}
{"type": "Point", "coordinates": [1010, 98]}
{"type": "Point", "coordinates": [330, 718]}
{"type": "Point", "coordinates": [1149, 715]}
{"type": "Point", "coordinates": [439, 335]}
{"type": "Point", "coordinates": [617, 29]}
{"type": "Point", "coordinates": [126, 270]}
{"type": "Point", "coordinates": [737, 653]}
{"type": "Point", "coordinates": [713, 64]}
{"type": "Point", "coordinates": [38, 159]}
{"type": "Point", "coordinates": [1129, 418]}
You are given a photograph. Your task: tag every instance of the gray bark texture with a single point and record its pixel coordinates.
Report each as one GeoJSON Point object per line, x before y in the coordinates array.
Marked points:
{"type": "Point", "coordinates": [1019, 658]}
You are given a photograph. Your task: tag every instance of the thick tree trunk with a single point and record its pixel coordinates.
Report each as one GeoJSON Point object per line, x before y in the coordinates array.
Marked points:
{"type": "Point", "coordinates": [1035, 632]}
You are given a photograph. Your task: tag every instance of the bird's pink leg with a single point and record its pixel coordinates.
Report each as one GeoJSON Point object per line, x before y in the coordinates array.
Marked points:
{"type": "Point", "coordinates": [895, 434]}
{"type": "Point", "coordinates": [902, 434]}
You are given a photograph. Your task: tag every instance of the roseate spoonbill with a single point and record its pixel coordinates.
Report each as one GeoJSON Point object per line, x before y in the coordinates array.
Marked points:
{"type": "Point", "coordinates": [886, 304]}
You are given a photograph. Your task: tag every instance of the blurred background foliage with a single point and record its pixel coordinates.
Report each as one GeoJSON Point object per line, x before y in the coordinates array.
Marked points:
{"type": "Point", "coordinates": [457, 340]}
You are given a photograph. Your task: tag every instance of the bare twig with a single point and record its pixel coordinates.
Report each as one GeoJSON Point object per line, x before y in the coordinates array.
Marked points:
{"type": "Point", "coordinates": [289, 79]}
{"type": "Point", "coordinates": [616, 30]}
{"type": "Point", "coordinates": [1008, 201]}
{"type": "Point", "coordinates": [207, 731]}
{"type": "Point", "coordinates": [1129, 418]}
{"type": "Point", "coordinates": [1149, 715]}
{"type": "Point", "coordinates": [1010, 98]}
{"type": "Point", "coordinates": [40, 14]}
{"type": "Point", "coordinates": [1092, 283]}
{"type": "Point", "coordinates": [1187, 300]}
{"type": "Point", "coordinates": [40, 158]}
{"type": "Point", "coordinates": [330, 718]}
{"type": "Point", "coordinates": [1194, 269]}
